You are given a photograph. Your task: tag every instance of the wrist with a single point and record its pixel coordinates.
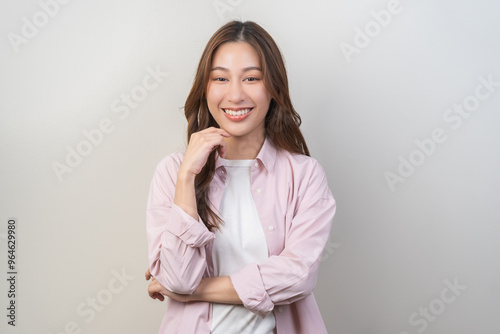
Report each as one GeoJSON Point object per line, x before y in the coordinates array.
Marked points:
{"type": "Point", "coordinates": [185, 176]}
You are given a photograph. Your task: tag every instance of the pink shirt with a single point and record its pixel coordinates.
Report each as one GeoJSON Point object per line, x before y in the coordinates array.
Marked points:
{"type": "Point", "coordinates": [296, 209]}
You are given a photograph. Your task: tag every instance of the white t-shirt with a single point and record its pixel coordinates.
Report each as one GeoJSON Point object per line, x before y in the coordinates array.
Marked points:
{"type": "Point", "coordinates": [240, 241]}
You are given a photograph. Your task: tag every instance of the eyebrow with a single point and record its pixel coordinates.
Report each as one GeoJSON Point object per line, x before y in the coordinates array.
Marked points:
{"type": "Point", "coordinates": [249, 68]}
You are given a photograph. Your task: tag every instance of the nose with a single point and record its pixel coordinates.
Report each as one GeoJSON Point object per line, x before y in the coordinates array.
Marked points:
{"type": "Point", "coordinates": [236, 92]}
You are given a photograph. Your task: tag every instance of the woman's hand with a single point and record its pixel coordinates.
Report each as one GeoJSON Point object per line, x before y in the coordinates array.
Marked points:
{"type": "Point", "coordinates": [147, 274]}
{"type": "Point", "coordinates": [201, 144]}
{"type": "Point", "coordinates": [153, 288]}
{"type": "Point", "coordinates": [157, 291]}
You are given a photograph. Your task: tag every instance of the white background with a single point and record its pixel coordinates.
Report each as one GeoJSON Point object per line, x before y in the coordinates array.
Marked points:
{"type": "Point", "coordinates": [391, 251]}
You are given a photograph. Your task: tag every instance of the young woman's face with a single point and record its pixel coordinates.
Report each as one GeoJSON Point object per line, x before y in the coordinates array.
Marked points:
{"type": "Point", "coordinates": [236, 95]}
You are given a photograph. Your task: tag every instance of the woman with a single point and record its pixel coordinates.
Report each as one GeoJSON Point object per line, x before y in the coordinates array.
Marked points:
{"type": "Point", "coordinates": [237, 222]}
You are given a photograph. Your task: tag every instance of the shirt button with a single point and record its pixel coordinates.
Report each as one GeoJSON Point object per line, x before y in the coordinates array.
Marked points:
{"type": "Point", "coordinates": [270, 228]}
{"type": "Point", "coordinates": [256, 164]}
{"type": "Point", "coordinates": [259, 191]}
{"type": "Point", "coordinates": [280, 309]}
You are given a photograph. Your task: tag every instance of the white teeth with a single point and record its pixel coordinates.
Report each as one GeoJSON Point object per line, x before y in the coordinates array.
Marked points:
{"type": "Point", "coordinates": [236, 113]}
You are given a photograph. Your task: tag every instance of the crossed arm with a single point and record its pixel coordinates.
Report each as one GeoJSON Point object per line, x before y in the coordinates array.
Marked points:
{"type": "Point", "coordinates": [210, 289]}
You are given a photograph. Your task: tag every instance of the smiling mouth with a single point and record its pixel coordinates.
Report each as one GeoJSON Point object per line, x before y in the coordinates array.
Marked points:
{"type": "Point", "coordinates": [238, 112]}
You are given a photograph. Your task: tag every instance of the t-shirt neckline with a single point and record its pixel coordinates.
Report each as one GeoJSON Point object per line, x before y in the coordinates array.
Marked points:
{"type": "Point", "coordinates": [237, 163]}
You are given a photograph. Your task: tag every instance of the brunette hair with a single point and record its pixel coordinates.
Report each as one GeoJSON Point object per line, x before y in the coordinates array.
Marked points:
{"type": "Point", "coordinates": [282, 121]}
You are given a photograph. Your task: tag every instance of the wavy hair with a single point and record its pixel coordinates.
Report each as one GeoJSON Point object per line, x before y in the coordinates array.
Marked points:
{"type": "Point", "coordinates": [282, 121]}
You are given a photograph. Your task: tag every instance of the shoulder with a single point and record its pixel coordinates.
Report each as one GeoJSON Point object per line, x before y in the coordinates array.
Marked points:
{"type": "Point", "coordinates": [300, 163]}
{"type": "Point", "coordinates": [306, 174]}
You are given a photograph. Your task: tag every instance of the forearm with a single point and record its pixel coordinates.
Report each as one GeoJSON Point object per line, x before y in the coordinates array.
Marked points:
{"type": "Point", "coordinates": [185, 196]}
{"type": "Point", "coordinates": [216, 290]}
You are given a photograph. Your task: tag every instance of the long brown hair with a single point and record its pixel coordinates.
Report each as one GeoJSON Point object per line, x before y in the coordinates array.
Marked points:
{"type": "Point", "coordinates": [282, 121]}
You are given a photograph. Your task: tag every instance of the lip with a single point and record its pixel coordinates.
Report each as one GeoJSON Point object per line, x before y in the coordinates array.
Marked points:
{"type": "Point", "coordinates": [237, 118]}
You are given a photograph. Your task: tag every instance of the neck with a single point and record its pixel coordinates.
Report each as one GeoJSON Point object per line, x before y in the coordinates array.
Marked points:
{"type": "Point", "coordinates": [248, 147]}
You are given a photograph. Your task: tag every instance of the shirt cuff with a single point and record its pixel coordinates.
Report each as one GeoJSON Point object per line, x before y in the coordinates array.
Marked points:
{"type": "Point", "coordinates": [249, 286]}
{"type": "Point", "coordinates": [191, 231]}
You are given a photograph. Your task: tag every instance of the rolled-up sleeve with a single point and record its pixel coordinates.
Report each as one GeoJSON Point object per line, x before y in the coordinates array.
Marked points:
{"type": "Point", "coordinates": [177, 256]}
{"type": "Point", "coordinates": [292, 275]}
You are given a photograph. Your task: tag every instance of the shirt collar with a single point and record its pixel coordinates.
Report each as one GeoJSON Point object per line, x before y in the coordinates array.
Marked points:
{"type": "Point", "coordinates": [267, 155]}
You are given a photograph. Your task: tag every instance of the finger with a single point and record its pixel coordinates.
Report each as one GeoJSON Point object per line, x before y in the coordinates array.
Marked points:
{"type": "Point", "coordinates": [214, 141]}
{"type": "Point", "coordinates": [156, 295]}
{"type": "Point", "coordinates": [152, 289]}
{"type": "Point", "coordinates": [218, 137]}
{"type": "Point", "coordinates": [216, 130]}
{"type": "Point", "coordinates": [209, 141]}
{"type": "Point", "coordinates": [147, 274]}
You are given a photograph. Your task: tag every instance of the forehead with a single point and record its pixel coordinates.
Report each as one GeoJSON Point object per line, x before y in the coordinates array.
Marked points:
{"type": "Point", "coordinates": [235, 54]}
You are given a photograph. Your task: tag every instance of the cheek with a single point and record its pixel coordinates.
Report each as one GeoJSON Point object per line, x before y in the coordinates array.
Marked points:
{"type": "Point", "coordinates": [262, 96]}
{"type": "Point", "coordinates": [214, 94]}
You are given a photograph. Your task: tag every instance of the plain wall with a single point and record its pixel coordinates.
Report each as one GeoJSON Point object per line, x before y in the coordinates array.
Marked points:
{"type": "Point", "coordinates": [396, 106]}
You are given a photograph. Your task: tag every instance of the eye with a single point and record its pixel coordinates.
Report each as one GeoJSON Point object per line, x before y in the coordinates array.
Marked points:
{"type": "Point", "coordinates": [219, 79]}
{"type": "Point", "coordinates": [252, 79]}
